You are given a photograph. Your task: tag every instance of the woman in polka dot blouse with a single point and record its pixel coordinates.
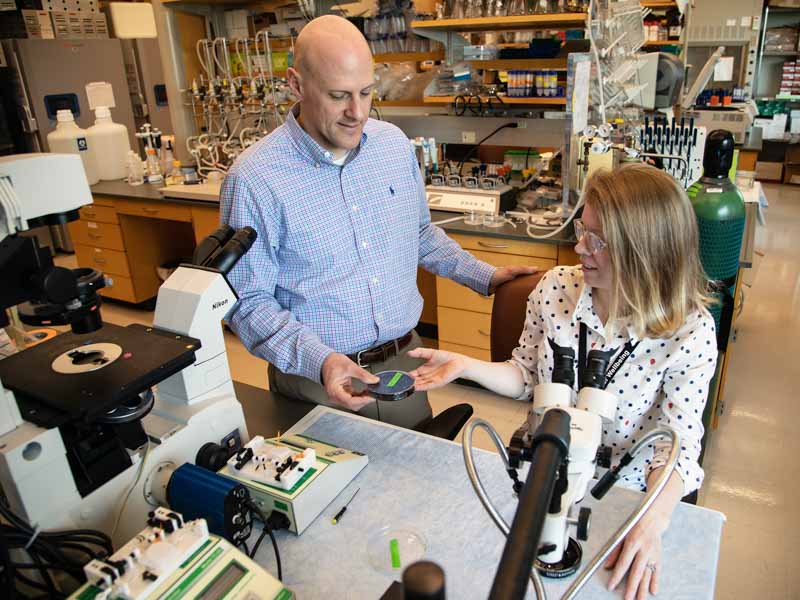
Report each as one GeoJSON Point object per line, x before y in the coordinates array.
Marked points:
{"type": "Point", "coordinates": [640, 284]}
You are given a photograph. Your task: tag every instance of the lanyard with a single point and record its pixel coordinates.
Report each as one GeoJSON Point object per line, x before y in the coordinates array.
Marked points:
{"type": "Point", "coordinates": [615, 366]}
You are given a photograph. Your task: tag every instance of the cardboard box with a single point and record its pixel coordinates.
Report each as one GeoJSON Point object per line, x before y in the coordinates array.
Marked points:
{"type": "Point", "coordinates": [87, 25]}
{"type": "Point", "coordinates": [100, 26]}
{"type": "Point", "coordinates": [60, 24]}
{"type": "Point", "coordinates": [55, 5]}
{"type": "Point", "coordinates": [794, 127]}
{"type": "Point", "coordinates": [792, 156]}
{"type": "Point", "coordinates": [791, 174]}
{"type": "Point", "coordinates": [289, 13]}
{"type": "Point", "coordinates": [38, 24]}
{"type": "Point", "coordinates": [770, 128]}
{"type": "Point", "coordinates": [770, 171]}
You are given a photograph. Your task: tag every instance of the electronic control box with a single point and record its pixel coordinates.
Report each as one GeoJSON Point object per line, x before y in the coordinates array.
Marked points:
{"type": "Point", "coordinates": [173, 559]}
{"type": "Point", "coordinates": [295, 475]}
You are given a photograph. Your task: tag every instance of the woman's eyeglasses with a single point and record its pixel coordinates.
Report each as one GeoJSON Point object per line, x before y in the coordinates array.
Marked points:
{"type": "Point", "coordinates": [593, 242]}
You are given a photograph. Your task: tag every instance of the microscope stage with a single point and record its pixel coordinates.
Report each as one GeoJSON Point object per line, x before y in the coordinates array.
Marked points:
{"type": "Point", "coordinates": [48, 397]}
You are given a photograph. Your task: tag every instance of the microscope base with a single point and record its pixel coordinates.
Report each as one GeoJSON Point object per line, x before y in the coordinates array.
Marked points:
{"type": "Point", "coordinates": [568, 565]}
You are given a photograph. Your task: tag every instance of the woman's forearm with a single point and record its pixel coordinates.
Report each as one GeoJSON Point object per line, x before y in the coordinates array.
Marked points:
{"type": "Point", "coordinates": [500, 377]}
{"type": "Point", "coordinates": [670, 496]}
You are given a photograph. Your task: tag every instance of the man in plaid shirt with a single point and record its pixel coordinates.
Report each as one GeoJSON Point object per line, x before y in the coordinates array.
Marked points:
{"type": "Point", "coordinates": [327, 294]}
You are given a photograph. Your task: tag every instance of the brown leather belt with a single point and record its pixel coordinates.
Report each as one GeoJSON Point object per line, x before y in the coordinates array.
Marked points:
{"type": "Point", "coordinates": [380, 353]}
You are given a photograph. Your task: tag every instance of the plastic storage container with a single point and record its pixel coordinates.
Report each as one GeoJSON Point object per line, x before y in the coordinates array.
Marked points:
{"type": "Point", "coordinates": [108, 142]}
{"type": "Point", "coordinates": [68, 138]}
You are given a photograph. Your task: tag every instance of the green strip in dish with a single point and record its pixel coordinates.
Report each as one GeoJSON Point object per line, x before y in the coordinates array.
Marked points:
{"type": "Point", "coordinates": [394, 550]}
{"type": "Point", "coordinates": [393, 381]}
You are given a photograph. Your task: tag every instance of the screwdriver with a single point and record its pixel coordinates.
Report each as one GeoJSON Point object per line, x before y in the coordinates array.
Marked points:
{"type": "Point", "coordinates": [339, 514]}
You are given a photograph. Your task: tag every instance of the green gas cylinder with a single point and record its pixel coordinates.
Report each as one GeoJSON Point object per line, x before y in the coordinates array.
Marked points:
{"type": "Point", "coordinates": [720, 211]}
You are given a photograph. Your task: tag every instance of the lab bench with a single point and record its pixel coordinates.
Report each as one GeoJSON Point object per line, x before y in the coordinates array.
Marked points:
{"type": "Point", "coordinates": [417, 482]}
{"type": "Point", "coordinates": [130, 231]}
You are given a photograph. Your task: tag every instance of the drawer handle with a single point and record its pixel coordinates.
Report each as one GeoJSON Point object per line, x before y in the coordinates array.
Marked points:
{"type": "Point", "coordinates": [152, 211]}
{"type": "Point", "coordinates": [100, 261]}
{"type": "Point", "coordinates": [95, 236]}
{"type": "Point", "coordinates": [482, 332]}
{"type": "Point", "coordinates": [488, 245]}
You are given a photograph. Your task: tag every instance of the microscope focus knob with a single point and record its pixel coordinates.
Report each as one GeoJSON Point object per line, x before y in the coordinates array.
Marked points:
{"type": "Point", "coordinates": [423, 580]}
{"type": "Point", "coordinates": [603, 457]}
{"type": "Point", "coordinates": [584, 520]}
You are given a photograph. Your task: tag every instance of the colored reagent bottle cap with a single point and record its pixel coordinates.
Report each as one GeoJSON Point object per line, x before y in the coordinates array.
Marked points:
{"type": "Point", "coordinates": [393, 385]}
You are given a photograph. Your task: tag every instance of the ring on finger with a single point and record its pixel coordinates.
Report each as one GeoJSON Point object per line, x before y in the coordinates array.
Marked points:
{"type": "Point", "coordinates": [651, 566]}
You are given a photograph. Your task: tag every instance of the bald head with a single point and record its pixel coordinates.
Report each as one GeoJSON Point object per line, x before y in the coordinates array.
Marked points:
{"type": "Point", "coordinates": [330, 42]}
{"type": "Point", "coordinates": [332, 78]}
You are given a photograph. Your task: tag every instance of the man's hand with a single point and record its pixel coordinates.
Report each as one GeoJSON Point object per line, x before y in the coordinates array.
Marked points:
{"type": "Point", "coordinates": [337, 373]}
{"type": "Point", "coordinates": [504, 274]}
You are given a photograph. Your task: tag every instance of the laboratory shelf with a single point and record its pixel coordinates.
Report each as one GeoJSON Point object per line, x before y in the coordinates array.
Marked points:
{"type": "Point", "coordinates": [550, 64]}
{"type": "Point", "coordinates": [393, 57]}
{"type": "Point", "coordinates": [661, 4]}
{"type": "Point", "coordinates": [662, 43]}
{"type": "Point", "coordinates": [505, 99]}
{"type": "Point", "coordinates": [516, 23]}
{"type": "Point", "coordinates": [398, 103]}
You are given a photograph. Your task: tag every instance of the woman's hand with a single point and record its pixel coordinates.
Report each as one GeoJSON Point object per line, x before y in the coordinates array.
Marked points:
{"type": "Point", "coordinates": [440, 369]}
{"type": "Point", "coordinates": [639, 555]}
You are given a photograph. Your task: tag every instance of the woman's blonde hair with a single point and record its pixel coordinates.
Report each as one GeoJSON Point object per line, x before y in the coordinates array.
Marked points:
{"type": "Point", "coordinates": [651, 231]}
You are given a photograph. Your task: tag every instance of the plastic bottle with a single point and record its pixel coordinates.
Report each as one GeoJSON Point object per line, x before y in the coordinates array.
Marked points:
{"type": "Point", "coordinates": [108, 142]}
{"type": "Point", "coordinates": [552, 83]}
{"type": "Point", "coordinates": [135, 169]}
{"type": "Point", "coordinates": [153, 167]}
{"type": "Point", "coordinates": [68, 138]}
{"type": "Point", "coordinates": [167, 158]}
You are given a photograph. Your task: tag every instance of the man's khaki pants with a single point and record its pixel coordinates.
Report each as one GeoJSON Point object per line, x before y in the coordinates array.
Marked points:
{"type": "Point", "coordinates": [408, 412]}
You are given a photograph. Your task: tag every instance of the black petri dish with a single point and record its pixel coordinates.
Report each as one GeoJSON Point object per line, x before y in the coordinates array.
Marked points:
{"type": "Point", "coordinates": [393, 386]}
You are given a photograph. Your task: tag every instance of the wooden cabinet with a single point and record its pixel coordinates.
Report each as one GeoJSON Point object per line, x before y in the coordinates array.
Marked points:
{"type": "Point", "coordinates": [127, 240]}
{"type": "Point", "coordinates": [151, 209]}
{"type": "Point", "coordinates": [464, 316]}
{"type": "Point", "coordinates": [97, 233]}
{"type": "Point", "coordinates": [108, 261]}
{"type": "Point", "coordinates": [205, 220]}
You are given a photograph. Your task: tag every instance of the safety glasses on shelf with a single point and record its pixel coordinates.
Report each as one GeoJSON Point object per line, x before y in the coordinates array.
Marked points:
{"type": "Point", "coordinates": [593, 242]}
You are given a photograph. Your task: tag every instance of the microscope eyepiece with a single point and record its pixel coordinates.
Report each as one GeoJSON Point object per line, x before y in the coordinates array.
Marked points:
{"type": "Point", "coordinates": [234, 249]}
{"type": "Point", "coordinates": [563, 364]}
{"type": "Point", "coordinates": [594, 375]}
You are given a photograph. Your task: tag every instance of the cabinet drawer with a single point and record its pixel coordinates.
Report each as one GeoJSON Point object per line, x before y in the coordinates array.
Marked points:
{"type": "Point", "coordinates": [497, 259]}
{"type": "Point", "coordinates": [154, 210]}
{"type": "Point", "coordinates": [119, 288]}
{"type": "Point", "coordinates": [464, 327]}
{"type": "Point", "coordinates": [506, 246]}
{"type": "Point", "coordinates": [479, 353]}
{"type": "Point", "coordinates": [108, 261]}
{"type": "Point", "coordinates": [102, 200]}
{"type": "Point", "coordinates": [95, 233]}
{"type": "Point", "coordinates": [453, 295]}
{"type": "Point", "coordinates": [205, 221]}
{"type": "Point", "coordinates": [96, 212]}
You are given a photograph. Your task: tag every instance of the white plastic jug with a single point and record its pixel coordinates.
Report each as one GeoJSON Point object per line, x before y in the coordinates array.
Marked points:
{"type": "Point", "coordinates": [108, 141]}
{"type": "Point", "coordinates": [68, 138]}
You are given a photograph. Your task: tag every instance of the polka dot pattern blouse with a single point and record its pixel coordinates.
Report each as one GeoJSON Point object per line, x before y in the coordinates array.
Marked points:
{"type": "Point", "coordinates": [664, 381]}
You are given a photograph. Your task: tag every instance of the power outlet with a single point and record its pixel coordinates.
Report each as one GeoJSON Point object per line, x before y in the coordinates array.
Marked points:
{"type": "Point", "coordinates": [468, 137]}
